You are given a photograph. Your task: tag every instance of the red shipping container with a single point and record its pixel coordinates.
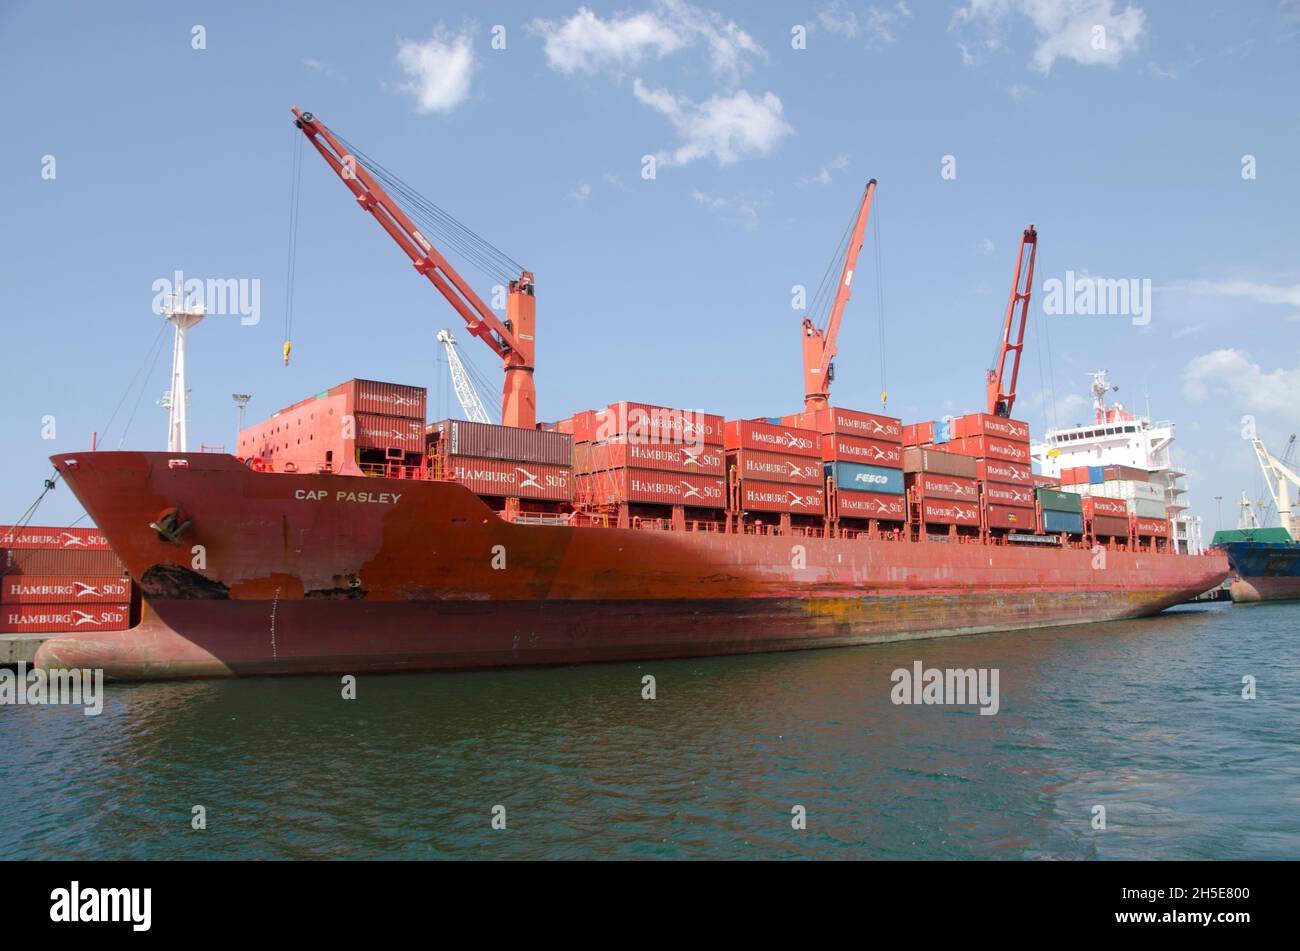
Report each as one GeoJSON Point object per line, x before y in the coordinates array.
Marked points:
{"type": "Point", "coordinates": [520, 480]}
{"type": "Point", "coordinates": [931, 485]}
{"type": "Point", "coordinates": [779, 497]}
{"type": "Point", "coordinates": [54, 618]}
{"type": "Point", "coordinates": [384, 399]}
{"type": "Point", "coordinates": [1094, 506]}
{"type": "Point", "coordinates": [644, 423]}
{"type": "Point", "coordinates": [458, 437]}
{"type": "Point", "coordinates": [1002, 493]}
{"type": "Point", "coordinates": [52, 589]}
{"type": "Point", "coordinates": [63, 562]}
{"type": "Point", "coordinates": [947, 512]}
{"type": "Point", "coordinates": [850, 422]}
{"type": "Point", "coordinates": [872, 452]}
{"type": "Point", "coordinates": [1109, 526]}
{"type": "Point", "coordinates": [40, 536]}
{"type": "Point", "coordinates": [998, 470]}
{"type": "Point", "coordinates": [982, 424]}
{"type": "Point", "coordinates": [766, 437]}
{"type": "Point", "coordinates": [892, 508]}
{"type": "Point", "coordinates": [564, 425]}
{"type": "Point", "coordinates": [653, 487]}
{"type": "Point", "coordinates": [593, 457]}
{"type": "Point", "coordinates": [1151, 527]}
{"type": "Point", "coordinates": [1043, 482]}
{"type": "Point", "coordinates": [777, 467]}
{"type": "Point", "coordinates": [1011, 516]}
{"type": "Point", "coordinates": [389, 432]}
{"type": "Point", "coordinates": [991, 447]}
{"type": "Point", "coordinates": [918, 434]}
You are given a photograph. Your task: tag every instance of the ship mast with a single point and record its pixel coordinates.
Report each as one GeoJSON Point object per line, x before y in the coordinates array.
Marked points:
{"type": "Point", "coordinates": [182, 319]}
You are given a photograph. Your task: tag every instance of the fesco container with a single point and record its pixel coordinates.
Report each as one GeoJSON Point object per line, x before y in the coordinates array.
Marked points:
{"type": "Point", "coordinates": [1054, 522]}
{"type": "Point", "coordinates": [51, 618]}
{"type": "Point", "coordinates": [1053, 500]}
{"type": "Point", "coordinates": [875, 452]}
{"type": "Point", "coordinates": [763, 436]}
{"type": "Point", "coordinates": [40, 536]}
{"type": "Point", "coordinates": [863, 478]}
{"type": "Point", "coordinates": [56, 589]}
{"type": "Point", "coordinates": [503, 478]}
{"type": "Point", "coordinates": [776, 497]}
{"type": "Point", "coordinates": [456, 437]}
{"type": "Point", "coordinates": [892, 508]}
{"type": "Point", "coordinates": [776, 467]}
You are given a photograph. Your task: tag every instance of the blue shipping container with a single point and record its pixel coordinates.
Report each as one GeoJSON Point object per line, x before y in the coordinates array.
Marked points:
{"type": "Point", "coordinates": [1096, 474]}
{"type": "Point", "coordinates": [856, 477]}
{"type": "Point", "coordinates": [942, 431]}
{"type": "Point", "coordinates": [1056, 522]}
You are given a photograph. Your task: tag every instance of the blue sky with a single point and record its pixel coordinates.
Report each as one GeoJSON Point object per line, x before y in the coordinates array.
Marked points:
{"type": "Point", "coordinates": [1126, 154]}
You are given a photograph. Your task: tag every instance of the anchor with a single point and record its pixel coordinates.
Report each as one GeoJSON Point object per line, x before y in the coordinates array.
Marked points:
{"type": "Point", "coordinates": [170, 525]}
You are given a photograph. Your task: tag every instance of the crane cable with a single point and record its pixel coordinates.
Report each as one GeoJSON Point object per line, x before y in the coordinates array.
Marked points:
{"type": "Point", "coordinates": [880, 310]}
{"type": "Point", "coordinates": [291, 265]}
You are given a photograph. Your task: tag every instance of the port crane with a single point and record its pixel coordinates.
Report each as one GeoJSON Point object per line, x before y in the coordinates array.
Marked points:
{"type": "Point", "coordinates": [819, 344]}
{"type": "Point", "coordinates": [1001, 390]}
{"type": "Point", "coordinates": [513, 340]}
{"type": "Point", "coordinates": [474, 409]}
{"type": "Point", "coordinates": [1276, 475]}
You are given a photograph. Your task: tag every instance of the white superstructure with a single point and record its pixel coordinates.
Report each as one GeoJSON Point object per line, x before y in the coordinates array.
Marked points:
{"type": "Point", "coordinates": [1116, 437]}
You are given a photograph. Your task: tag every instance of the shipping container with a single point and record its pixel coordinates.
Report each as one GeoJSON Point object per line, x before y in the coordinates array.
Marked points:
{"type": "Point", "coordinates": [40, 536]}
{"type": "Point", "coordinates": [850, 422]}
{"type": "Point", "coordinates": [890, 508]}
{"type": "Point", "coordinates": [991, 447]}
{"type": "Point", "coordinates": [1055, 523]}
{"type": "Point", "coordinates": [875, 452]}
{"type": "Point", "coordinates": [1003, 493]}
{"type": "Point", "coordinates": [939, 462]}
{"type": "Point", "coordinates": [756, 434]}
{"type": "Point", "coordinates": [456, 437]}
{"type": "Point", "coordinates": [1095, 507]}
{"type": "Point", "coordinates": [54, 589]}
{"type": "Point", "coordinates": [55, 618]}
{"type": "Point", "coordinates": [592, 457]}
{"type": "Point", "coordinates": [1054, 501]}
{"type": "Point", "coordinates": [389, 432]}
{"type": "Point", "coordinates": [777, 467]}
{"type": "Point", "coordinates": [64, 562]}
{"type": "Point", "coordinates": [652, 487]}
{"type": "Point", "coordinates": [1096, 474]}
{"type": "Point", "coordinates": [502, 478]}
{"type": "Point", "coordinates": [857, 477]}
{"type": "Point", "coordinates": [983, 424]}
{"type": "Point", "coordinates": [1120, 473]}
{"type": "Point", "coordinates": [645, 423]}
{"type": "Point", "coordinates": [942, 431]}
{"type": "Point", "coordinates": [1043, 482]}
{"type": "Point", "coordinates": [931, 485]}
{"type": "Point", "coordinates": [1108, 526]}
{"type": "Point", "coordinates": [775, 497]}
{"type": "Point", "coordinates": [1130, 489]}
{"type": "Point", "coordinates": [383, 399]}
{"type": "Point", "coordinates": [999, 470]}
{"type": "Point", "coordinates": [1011, 516]}
{"type": "Point", "coordinates": [948, 512]}
{"type": "Point", "coordinates": [1151, 527]}
{"type": "Point", "coordinates": [1146, 508]}
{"type": "Point", "coordinates": [918, 434]}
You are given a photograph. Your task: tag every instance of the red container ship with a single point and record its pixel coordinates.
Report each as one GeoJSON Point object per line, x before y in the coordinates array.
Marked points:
{"type": "Point", "coordinates": [352, 556]}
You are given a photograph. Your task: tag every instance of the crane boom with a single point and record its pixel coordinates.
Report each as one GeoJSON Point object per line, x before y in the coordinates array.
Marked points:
{"type": "Point", "coordinates": [1001, 392]}
{"type": "Point", "coordinates": [513, 340]}
{"type": "Point", "coordinates": [1276, 475]}
{"type": "Point", "coordinates": [819, 346]}
{"type": "Point", "coordinates": [474, 409]}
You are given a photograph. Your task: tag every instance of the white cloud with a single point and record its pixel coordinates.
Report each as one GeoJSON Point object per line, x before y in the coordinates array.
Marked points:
{"type": "Point", "coordinates": [1230, 372]}
{"type": "Point", "coordinates": [1019, 92]}
{"type": "Point", "coordinates": [1251, 290]}
{"type": "Point", "coordinates": [729, 128]}
{"type": "Point", "coordinates": [585, 43]}
{"type": "Point", "coordinates": [740, 209]}
{"type": "Point", "coordinates": [838, 19]}
{"type": "Point", "coordinates": [1088, 32]}
{"type": "Point", "coordinates": [985, 247]}
{"type": "Point", "coordinates": [440, 69]}
{"type": "Point", "coordinates": [582, 192]}
{"type": "Point", "coordinates": [827, 171]}
{"type": "Point", "coordinates": [318, 66]}
{"type": "Point", "coordinates": [881, 23]}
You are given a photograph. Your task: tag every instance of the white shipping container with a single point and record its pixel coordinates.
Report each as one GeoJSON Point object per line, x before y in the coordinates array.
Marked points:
{"type": "Point", "coordinates": [1146, 508]}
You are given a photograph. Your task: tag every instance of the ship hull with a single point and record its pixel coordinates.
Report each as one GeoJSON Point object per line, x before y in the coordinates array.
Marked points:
{"type": "Point", "coordinates": [283, 573]}
{"type": "Point", "coordinates": [1265, 571]}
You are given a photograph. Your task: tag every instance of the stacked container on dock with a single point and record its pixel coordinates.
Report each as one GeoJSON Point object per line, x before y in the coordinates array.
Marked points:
{"type": "Point", "coordinates": [777, 467]}
{"type": "Point", "coordinates": [61, 579]}
{"type": "Point", "coordinates": [637, 454]}
{"type": "Point", "coordinates": [863, 458]}
{"type": "Point", "coordinates": [943, 489]}
{"type": "Point", "coordinates": [503, 462]}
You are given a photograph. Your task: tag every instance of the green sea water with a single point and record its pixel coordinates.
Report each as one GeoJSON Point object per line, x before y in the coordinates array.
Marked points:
{"type": "Point", "coordinates": [1143, 718]}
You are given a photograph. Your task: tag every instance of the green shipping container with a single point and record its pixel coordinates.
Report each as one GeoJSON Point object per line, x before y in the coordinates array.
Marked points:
{"type": "Point", "coordinates": [1054, 501]}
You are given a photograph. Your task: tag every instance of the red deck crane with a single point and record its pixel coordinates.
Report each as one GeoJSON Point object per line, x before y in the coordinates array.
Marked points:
{"type": "Point", "coordinates": [818, 345]}
{"type": "Point", "coordinates": [1001, 398]}
{"type": "Point", "coordinates": [513, 340]}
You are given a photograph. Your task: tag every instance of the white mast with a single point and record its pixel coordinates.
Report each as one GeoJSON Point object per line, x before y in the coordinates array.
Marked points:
{"type": "Point", "coordinates": [182, 320]}
{"type": "Point", "coordinates": [465, 392]}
